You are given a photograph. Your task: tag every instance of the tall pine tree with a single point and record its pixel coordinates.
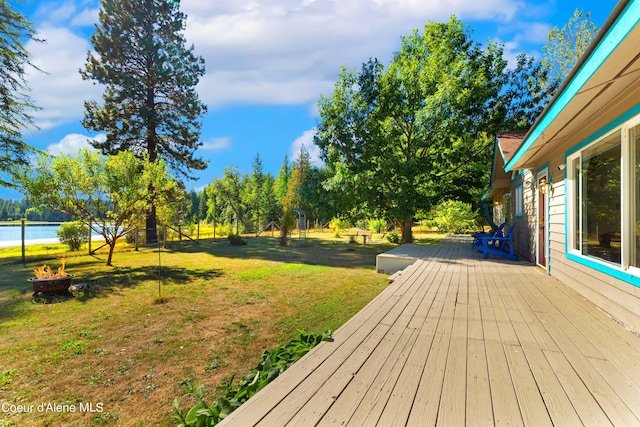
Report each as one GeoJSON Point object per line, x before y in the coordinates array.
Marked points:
{"type": "Point", "coordinates": [150, 105]}
{"type": "Point", "coordinates": [15, 104]}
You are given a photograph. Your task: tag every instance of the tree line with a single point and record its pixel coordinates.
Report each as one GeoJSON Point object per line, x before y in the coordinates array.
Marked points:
{"type": "Point", "coordinates": [249, 202]}
{"type": "Point", "coordinates": [396, 139]}
{"type": "Point", "coordinates": [12, 210]}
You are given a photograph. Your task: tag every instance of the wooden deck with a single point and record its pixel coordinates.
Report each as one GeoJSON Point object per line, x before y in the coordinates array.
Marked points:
{"type": "Point", "coordinates": [456, 340]}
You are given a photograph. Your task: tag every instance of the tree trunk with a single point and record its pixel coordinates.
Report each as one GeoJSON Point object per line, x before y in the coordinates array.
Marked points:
{"type": "Point", "coordinates": [112, 246]}
{"type": "Point", "coordinates": [284, 232]}
{"type": "Point", "coordinates": [151, 223]}
{"type": "Point", "coordinates": [407, 235]}
{"type": "Point", "coordinates": [152, 151]}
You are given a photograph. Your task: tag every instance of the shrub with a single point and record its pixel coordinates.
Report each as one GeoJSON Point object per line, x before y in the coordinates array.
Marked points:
{"type": "Point", "coordinates": [236, 240]}
{"type": "Point", "coordinates": [338, 225]}
{"type": "Point", "coordinates": [271, 365]}
{"type": "Point", "coordinates": [377, 225]}
{"type": "Point", "coordinates": [288, 221]}
{"type": "Point", "coordinates": [453, 216]}
{"type": "Point", "coordinates": [393, 238]}
{"type": "Point", "coordinates": [74, 234]}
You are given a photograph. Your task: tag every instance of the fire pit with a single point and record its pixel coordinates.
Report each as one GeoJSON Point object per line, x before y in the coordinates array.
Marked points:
{"type": "Point", "coordinates": [48, 282]}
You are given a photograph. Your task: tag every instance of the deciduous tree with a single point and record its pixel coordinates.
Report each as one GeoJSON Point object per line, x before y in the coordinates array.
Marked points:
{"type": "Point", "coordinates": [109, 194]}
{"type": "Point", "coordinates": [396, 138]}
{"type": "Point", "coordinates": [565, 45]}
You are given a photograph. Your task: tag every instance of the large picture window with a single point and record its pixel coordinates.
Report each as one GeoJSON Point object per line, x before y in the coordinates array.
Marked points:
{"type": "Point", "coordinates": [603, 204]}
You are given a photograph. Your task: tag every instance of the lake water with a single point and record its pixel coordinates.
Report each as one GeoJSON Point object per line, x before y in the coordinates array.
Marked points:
{"type": "Point", "coordinates": [11, 235]}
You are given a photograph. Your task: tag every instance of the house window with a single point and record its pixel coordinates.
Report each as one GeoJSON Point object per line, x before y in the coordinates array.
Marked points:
{"type": "Point", "coordinates": [603, 205]}
{"type": "Point", "coordinates": [518, 199]}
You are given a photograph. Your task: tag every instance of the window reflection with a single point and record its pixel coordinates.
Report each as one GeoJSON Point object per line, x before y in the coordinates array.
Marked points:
{"type": "Point", "coordinates": [601, 192]}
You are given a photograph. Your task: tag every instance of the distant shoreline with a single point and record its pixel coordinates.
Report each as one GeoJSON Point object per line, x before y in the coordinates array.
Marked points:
{"type": "Point", "coordinates": [12, 243]}
{"type": "Point", "coordinates": [19, 222]}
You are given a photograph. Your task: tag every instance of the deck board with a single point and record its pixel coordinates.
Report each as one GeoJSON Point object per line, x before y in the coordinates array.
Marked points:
{"type": "Point", "coordinates": [458, 340]}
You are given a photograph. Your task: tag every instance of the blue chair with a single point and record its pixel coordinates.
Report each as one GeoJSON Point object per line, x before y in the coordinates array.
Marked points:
{"type": "Point", "coordinates": [499, 246]}
{"type": "Point", "coordinates": [496, 233]}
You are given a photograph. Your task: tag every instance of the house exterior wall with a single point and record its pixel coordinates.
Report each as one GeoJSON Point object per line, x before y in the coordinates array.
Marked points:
{"type": "Point", "coordinates": [621, 300]}
{"type": "Point", "coordinates": [524, 233]}
{"type": "Point", "coordinates": [616, 297]}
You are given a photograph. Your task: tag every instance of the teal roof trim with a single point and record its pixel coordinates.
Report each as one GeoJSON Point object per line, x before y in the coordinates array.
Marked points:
{"type": "Point", "coordinates": [625, 23]}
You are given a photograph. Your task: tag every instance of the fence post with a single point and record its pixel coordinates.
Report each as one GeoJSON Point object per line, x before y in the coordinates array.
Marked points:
{"type": "Point", "coordinates": [22, 222]}
{"type": "Point", "coordinates": [164, 244]}
{"type": "Point", "coordinates": [137, 238]}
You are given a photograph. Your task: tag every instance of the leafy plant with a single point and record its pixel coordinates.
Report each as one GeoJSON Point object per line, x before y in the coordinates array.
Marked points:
{"type": "Point", "coordinates": [338, 225]}
{"type": "Point", "coordinates": [73, 234]}
{"type": "Point", "coordinates": [272, 364]}
{"type": "Point", "coordinates": [377, 225]}
{"type": "Point", "coordinates": [236, 240]}
{"type": "Point", "coordinates": [393, 237]}
{"type": "Point", "coordinates": [454, 216]}
{"type": "Point", "coordinates": [288, 221]}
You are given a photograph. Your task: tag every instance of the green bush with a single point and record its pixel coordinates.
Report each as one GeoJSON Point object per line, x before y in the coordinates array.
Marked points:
{"type": "Point", "coordinates": [452, 216]}
{"type": "Point", "coordinates": [236, 240]}
{"type": "Point", "coordinates": [377, 225]}
{"type": "Point", "coordinates": [338, 225]}
{"type": "Point", "coordinates": [393, 238]}
{"type": "Point", "coordinates": [74, 234]}
{"type": "Point", "coordinates": [288, 221]}
{"type": "Point", "coordinates": [272, 364]}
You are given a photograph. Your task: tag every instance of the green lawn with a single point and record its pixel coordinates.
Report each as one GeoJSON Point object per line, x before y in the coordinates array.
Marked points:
{"type": "Point", "coordinates": [117, 345]}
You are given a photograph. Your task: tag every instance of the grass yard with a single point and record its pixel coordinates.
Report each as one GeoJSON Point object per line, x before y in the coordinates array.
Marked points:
{"type": "Point", "coordinates": [116, 347]}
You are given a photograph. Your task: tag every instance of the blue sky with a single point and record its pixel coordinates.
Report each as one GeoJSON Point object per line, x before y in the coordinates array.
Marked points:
{"type": "Point", "coordinates": [267, 62]}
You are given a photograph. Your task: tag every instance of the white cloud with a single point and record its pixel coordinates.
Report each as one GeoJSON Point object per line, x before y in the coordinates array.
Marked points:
{"type": "Point", "coordinates": [290, 51]}
{"type": "Point", "coordinates": [217, 144]}
{"type": "Point", "coordinates": [58, 89]}
{"type": "Point", "coordinates": [306, 140]}
{"type": "Point", "coordinates": [72, 143]}
{"type": "Point", "coordinates": [85, 18]}
{"type": "Point", "coordinates": [269, 52]}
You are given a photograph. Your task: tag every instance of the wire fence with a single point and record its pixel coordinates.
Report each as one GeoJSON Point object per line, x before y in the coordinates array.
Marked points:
{"type": "Point", "coordinates": [29, 239]}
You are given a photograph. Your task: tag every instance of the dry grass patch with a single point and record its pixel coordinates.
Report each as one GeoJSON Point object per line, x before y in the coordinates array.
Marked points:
{"type": "Point", "coordinates": [116, 346]}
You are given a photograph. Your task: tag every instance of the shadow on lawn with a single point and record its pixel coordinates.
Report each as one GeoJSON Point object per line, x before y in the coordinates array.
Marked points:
{"type": "Point", "coordinates": [106, 283]}
{"type": "Point", "coordinates": [318, 251]}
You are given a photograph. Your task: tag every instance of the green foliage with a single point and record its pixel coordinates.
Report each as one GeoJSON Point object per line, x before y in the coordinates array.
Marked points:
{"type": "Point", "coordinates": [112, 193]}
{"type": "Point", "coordinates": [73, 234]}
{"type": "Point", "coordinates": [338, 225]}
{"type": "Point", "coordinates": [15, 104]}
{"type": "Point", "coordinates": [272, 364]}
{"type": "Point", "coordinates": [398, 137]}
{"type": "Point", "coordinates": [565, 45]}
{"type": "Point", "coordinates": [453, 216]}
{"type": "Point", "coordinates": [236, 240]}
{"type": "Point", "coordinates": [150, 104]}
{"type": "Point", "coordinates": [226, 197]}
{"type": "Point", "coordinates": [393, 237]}
{"type": "Point", "coordinates": [287, 222]}
{"type": "Point", "coordinates": [377, 225]}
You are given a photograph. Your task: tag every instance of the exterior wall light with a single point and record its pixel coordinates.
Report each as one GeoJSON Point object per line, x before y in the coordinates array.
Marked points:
{"type": "Point", "coordinates": [544, 186]}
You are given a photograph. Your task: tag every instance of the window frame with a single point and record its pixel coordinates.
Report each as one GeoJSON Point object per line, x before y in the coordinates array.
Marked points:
{"type": "Point", "coordinates": [574, 207]}
{"type": "Point", "coordinates": [518, 199]}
